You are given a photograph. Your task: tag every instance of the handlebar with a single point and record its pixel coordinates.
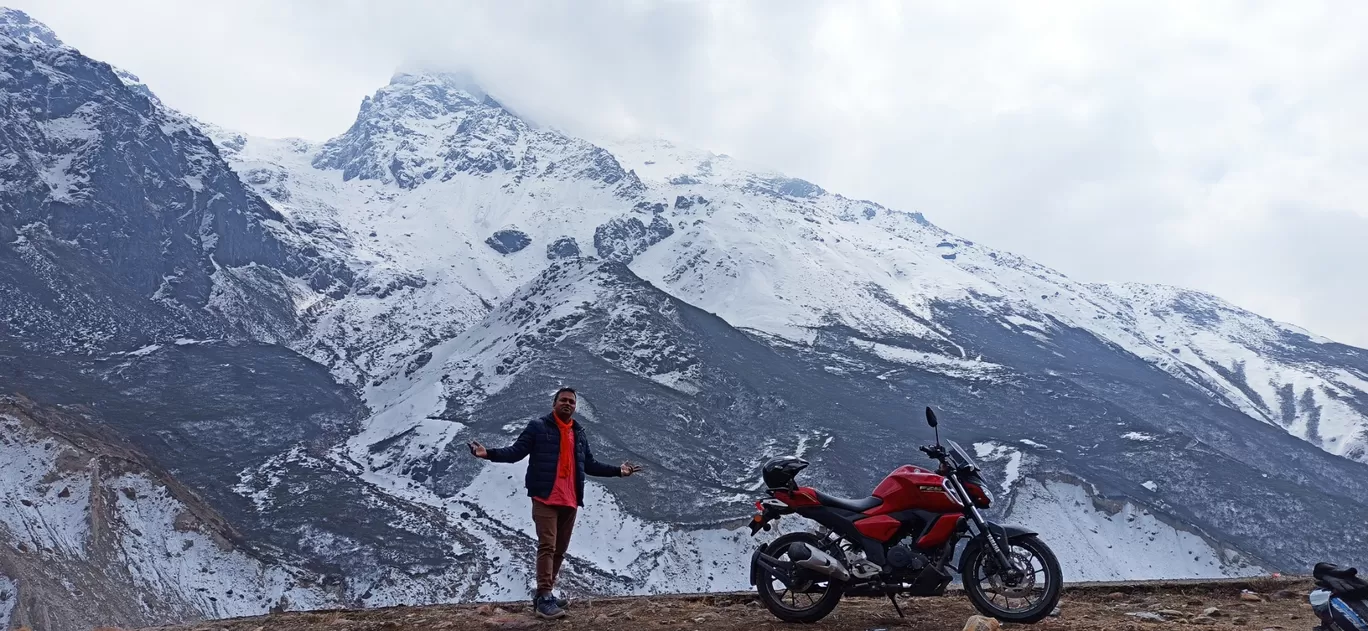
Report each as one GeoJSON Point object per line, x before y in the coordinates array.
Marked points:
{"type": "Point", "coordinates": [935, 451]}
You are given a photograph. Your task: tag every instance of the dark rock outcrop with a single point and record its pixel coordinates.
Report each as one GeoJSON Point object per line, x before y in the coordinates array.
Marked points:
{"type": "Point", "coordinates": [508, 241]}
{"type": "Point", "coordinates": [563, 248]}
{"type": "Point", "coordinates": [623, 238]}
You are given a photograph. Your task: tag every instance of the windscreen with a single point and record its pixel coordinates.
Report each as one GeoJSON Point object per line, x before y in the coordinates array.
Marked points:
{"type": "Point", "coordinates": [959, 457]}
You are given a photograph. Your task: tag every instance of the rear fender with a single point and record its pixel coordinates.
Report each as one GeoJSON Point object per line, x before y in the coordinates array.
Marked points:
{"type": "Point", "coordinates": [755, 563]}
{"type": "Point", "coordinates": [996, 530]}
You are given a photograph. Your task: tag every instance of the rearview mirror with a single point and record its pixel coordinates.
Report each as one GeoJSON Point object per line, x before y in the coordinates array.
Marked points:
{"type": "Point", "coordinates": [930, 416]}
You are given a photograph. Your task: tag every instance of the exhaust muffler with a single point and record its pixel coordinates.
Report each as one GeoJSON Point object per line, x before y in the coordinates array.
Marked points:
{"type": "Point", "coordinates": [809, 558]}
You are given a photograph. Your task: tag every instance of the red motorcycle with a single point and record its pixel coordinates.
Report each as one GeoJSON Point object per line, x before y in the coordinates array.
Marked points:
{"type": "Point", "coordinates": [899, 541]}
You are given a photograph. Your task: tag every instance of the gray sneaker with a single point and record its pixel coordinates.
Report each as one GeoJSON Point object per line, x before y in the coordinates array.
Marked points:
{"type": "Point", "coordinates": [547, 608]}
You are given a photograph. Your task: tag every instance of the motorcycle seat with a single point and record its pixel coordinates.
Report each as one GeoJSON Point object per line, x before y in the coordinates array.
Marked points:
{"type": "Point", "coordinates": [854, 506]}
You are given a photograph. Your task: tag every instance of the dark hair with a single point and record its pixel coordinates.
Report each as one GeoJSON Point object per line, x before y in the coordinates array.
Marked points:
{"type": "Point", "coordinates": [558, 393]}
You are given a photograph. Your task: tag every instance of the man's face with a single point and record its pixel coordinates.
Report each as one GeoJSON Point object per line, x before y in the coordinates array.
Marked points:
{"type": "Point", "coordinates": [565, 404]}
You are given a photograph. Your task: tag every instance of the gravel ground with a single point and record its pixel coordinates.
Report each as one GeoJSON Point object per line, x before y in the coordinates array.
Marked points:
{"type": "Point", "coordinates": [1259, 604]}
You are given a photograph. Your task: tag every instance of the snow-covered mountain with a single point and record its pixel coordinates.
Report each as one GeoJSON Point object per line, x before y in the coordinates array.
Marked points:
{"type": "Point", "coordinates": [304, 335]}
{"type": "Point", "coordinates": [440, 181]}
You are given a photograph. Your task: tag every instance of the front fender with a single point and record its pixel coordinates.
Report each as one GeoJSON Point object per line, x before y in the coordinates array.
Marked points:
{"type": "Point", "coordinates": [997, 530]}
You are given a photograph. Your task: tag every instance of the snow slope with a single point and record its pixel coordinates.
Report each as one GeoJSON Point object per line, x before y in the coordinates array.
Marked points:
{"type": "Point", "coordinates": [8, 598]}
{"type": "Point", "coordinates": [93, 530]}
{"type": "Point", "coordinates": [1266, 369]}
{"type": "Point", "coordinates": [1113, 541]}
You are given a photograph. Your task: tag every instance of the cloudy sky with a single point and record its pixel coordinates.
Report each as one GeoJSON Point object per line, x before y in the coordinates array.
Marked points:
{"type": "Point", "coordinates": [1213, 145]}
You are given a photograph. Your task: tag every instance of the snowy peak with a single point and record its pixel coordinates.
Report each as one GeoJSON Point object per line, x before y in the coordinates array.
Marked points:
{"type": "Point", "coordinates": [424, 127]}
{"type": "Point", "coordinates": [19, 26]}
{"type": "Point", "coordinates": [409, 130]}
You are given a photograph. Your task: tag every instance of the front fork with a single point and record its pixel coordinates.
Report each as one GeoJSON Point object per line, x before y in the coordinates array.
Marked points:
{"type": "Point", "coordinates": [978, 525]}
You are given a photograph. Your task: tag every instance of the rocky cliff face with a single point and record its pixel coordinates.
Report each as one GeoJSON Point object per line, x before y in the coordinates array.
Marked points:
{"type": "Point", "coordinates": [124, 223]}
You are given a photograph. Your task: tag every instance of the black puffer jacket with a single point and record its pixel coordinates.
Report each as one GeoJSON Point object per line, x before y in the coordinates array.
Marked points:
{"type": "Point", "coordinates": [541, 440]}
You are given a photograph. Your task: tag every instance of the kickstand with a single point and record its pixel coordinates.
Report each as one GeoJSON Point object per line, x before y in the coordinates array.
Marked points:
{"type": "Point", "coordinates": [895, 605]}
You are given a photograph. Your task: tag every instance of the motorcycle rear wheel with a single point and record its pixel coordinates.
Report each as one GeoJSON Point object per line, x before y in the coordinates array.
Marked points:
{"type": "Point", "coordinates": [980, 559]}
{"type": "Point", "coordinates": [816, 608]}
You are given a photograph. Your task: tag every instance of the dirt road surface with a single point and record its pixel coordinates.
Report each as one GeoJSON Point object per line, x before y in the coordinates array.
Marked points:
{"type": "Point", "coordinates": [1260, 604]}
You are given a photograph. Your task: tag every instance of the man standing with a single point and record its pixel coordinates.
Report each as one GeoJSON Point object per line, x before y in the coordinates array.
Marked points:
{"type": "Point", "coordinates": [555, 481]}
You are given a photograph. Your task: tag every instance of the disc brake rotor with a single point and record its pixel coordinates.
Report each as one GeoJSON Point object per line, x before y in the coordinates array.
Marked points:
{"type": "Point", "coordinates": [1020, 559]}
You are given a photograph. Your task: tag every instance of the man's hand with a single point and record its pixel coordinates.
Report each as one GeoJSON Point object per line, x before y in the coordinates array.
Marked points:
{"type": "Point", "coordinates": [629, 468]}
{"type": "Point", "coordinates": [477, 450]}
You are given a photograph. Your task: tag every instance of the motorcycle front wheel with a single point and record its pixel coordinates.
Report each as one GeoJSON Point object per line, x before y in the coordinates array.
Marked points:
{"type": "Point", "coordinates": [993, 590]}
{"type": "Point", "coordinates": [809, 597]}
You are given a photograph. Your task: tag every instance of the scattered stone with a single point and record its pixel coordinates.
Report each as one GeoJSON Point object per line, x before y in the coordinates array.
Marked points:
{"type": "Point", "coordinates": [1147, 616]}
{"type": "Point", "coordinates": [1171, 613]}
{"type": "Point", "coordinates": [1287, 594]}
{"type": "Point", "coordinates": [1116, 595]}
{"type": "Point", "coordinates": [1196, 602]}
{"type": "Point", "coordinates": [1055, 613]}
{"type": "Point", "coordinates": [980, 623]}
{"type": "Point", "coordinates": [1239, 622]}
{"type": "Point", "coordinates": [1249, 596]}
{"type": "Point", "coordinates": [1212, 612]}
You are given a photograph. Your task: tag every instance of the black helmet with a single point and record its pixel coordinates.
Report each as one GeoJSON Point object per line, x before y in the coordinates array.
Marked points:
{"type": "Point", "coordinates": [779, 472]}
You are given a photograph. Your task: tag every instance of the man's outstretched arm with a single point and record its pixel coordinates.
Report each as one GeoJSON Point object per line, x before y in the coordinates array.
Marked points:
{"type": "Point", "coordinates": [599, 469]}
{"type": "Point", "coordinates": [512, 453]}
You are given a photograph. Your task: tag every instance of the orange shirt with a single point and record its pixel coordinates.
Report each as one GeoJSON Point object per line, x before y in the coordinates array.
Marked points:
{"type": "Point", "coordinates": [563, 493]}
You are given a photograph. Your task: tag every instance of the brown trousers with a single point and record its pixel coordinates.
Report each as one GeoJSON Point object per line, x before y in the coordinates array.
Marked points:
{"type": "Point", "coordinates": [554, 525]}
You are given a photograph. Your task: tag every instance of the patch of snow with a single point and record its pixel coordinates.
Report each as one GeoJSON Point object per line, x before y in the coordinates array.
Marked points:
{"type": "Point", "coordinates": [677, 380]}
{"type": "Point", "coordinates": [1122, 543]}
{"type": "Point", "coordinates": [146, 350]}
{"type": "Point", "coordinates": [164, 558]}
{"type": "Point", "coordinates": [932, 362]}
{"type": "Point", "coordinates": [31, 488]}
{"type": "Point", "coordinates": [1031, 443]}
{"type": "Point", "coordinates": [991, 451]}
{"type": "Point", "coordinates": [1138, 436]}
{"type": "Point", "coordinates": [1149, 484]}
{"type": "Point", "coordinates": [9, 597]}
